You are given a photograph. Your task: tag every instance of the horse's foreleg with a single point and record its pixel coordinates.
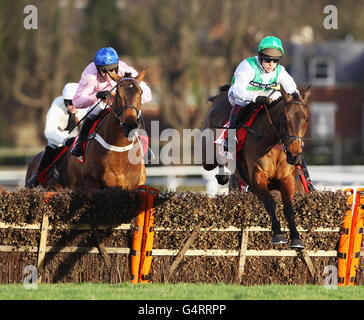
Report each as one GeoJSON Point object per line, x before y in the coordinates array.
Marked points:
{"type": "Point", "coordinates": [90, 185]}
{"type": "Point", "coordinates": [208, 151]}
{"type": "Point", "coordinates": [260, 188]}
{"type": "Point", "coordinates": [287, 189]}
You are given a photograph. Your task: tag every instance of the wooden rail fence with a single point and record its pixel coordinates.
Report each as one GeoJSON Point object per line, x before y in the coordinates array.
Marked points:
{"type": "Point", "coordinates": [44, 228]}
{"type": "Point", "coordinates": [242, 253]}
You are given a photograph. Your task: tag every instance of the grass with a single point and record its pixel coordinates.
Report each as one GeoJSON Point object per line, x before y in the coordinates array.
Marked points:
{"type": "Point", "coordinates": [179, 291]}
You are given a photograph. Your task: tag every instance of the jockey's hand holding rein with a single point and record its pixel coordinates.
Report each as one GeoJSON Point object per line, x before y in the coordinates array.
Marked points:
{"type": "Point", "coordinates": [105, 96]}
{"type": "Point", "coordinates": [262, 100]}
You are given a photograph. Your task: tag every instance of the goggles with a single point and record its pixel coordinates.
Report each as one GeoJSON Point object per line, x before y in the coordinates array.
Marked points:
{"type": "Point", "coordinates": [68, 102]}
{"type": "Point", "coordinates": [269, 59]}
{"type": "Point", "coordinates": [109, 70]}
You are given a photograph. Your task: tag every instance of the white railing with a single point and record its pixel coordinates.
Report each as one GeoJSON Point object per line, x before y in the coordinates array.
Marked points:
{"type": "Point", "coordinates": [172, 177]}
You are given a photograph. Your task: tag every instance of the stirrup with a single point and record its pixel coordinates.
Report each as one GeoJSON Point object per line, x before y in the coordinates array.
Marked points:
{"type": "Point", "coordinates": [310, 186]}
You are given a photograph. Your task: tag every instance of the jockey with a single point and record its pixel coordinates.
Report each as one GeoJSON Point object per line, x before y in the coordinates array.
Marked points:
{"type": "Point", "coordinates": [96, 84]}
{"type": "Point", "coordinates": [61, 117]}
{"type": "Point", "coordinates": [255, 79]}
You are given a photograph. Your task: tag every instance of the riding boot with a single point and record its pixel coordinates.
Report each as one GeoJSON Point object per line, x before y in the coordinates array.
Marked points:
{"type": "Point", "coordinates": [310, 185]}
{"type": "Point", "coordinates": [82, 136]}
{"type": "Point", "coordinates": [232, 123]}
{"type": "Point", "coordinates": [45, 160]}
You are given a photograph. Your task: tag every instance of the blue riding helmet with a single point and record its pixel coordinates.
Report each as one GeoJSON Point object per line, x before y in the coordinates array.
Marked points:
{"type": "Point", "coordinates": [106, 56]}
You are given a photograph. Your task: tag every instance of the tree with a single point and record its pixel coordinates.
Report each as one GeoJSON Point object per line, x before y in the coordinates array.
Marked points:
{"type": "Point", "coordinates": [41, 60]}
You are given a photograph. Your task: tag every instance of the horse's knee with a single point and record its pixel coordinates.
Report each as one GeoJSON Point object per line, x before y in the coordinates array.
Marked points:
{"type": "Point", "coordinates": [209, 167]}
{"type": "Point", "coordinates": [222, 179]}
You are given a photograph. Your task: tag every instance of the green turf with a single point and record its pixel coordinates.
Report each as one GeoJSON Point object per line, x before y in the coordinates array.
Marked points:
{"type": "Point", "coordinates": [180, 291]}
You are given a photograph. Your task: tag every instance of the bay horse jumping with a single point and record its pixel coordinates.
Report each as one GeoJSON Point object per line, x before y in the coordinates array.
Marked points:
{"type": "Point", "coordinates": [262, 165]}
{"type": "Point", "coordinates": [107, 161]}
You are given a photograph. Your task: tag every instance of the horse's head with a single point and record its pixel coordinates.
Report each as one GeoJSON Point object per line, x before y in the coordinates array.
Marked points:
{"type": "Point", "coordinates": [293, 123]}
{"type": "Point", "coordinates": [128, 99]}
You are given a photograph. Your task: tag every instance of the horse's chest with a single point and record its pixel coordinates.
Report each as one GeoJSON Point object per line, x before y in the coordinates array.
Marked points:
{"type": "Point", "coordinates": [113, 177]}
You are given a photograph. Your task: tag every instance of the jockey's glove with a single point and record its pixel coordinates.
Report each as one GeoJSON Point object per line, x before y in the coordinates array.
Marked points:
{"type": "Point", "coordinates": [103, 95]}
{"type": "Point", "coordinates": [67, 142]}
{"type": "Point", "coordinates": [261, 100]}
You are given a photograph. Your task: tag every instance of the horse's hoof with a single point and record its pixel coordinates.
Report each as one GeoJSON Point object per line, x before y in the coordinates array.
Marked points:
{"type": "Point", "coordinates": [222, 179]}
{"type": "Point", "coordinates": [297, 244]}
{"type": "Point", "coordinates": [279, 239]}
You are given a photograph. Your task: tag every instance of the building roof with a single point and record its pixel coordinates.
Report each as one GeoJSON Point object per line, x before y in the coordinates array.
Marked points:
{"type": "Point", "coordinates": [347, 57]}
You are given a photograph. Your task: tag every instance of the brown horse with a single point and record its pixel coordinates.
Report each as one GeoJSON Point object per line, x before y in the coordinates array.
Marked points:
{"type": "Point", "coordinates": [56, 177]}
{"type": "Point", "coordinates": [234, 180]}
{"type": "Point", "coordinates": [262, 166]}
{"type": "Point", "coordinates": [112, 158]}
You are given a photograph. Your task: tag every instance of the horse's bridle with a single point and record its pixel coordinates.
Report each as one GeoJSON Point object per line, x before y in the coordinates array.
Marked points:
{"type": "Point", "coordinates": [117, 113]}
{"type": "Point", "coordinates": [279, 131]}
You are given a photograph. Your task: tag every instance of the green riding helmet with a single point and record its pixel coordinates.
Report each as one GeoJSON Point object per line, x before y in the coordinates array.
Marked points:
{"type": "Point", "coordinates": [271, 46]}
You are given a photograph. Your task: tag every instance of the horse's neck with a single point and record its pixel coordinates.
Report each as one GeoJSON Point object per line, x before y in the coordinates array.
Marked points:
{"type": "Point", "coordinates": [110, 130]}
{"type": "Point", "coordinates": [276, 113]}
{"type": "Point", "coordinates": [270, 124]}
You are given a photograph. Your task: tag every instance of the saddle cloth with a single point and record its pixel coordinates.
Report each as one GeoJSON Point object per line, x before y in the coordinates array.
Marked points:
{"type": "Point", "coordinates": [240, 135]}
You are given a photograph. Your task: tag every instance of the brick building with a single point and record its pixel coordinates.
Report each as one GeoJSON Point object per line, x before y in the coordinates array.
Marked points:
{"type": "Point", "coordinates": [335, 71]}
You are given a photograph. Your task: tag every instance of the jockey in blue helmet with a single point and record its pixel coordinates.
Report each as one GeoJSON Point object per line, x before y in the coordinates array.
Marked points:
{"type": "Point", "coordinates": [95, 84]}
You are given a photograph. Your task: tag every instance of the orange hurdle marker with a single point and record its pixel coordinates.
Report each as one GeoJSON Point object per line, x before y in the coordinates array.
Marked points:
{"type": "Point", "coordinates": [138, 235]}
{"type": "Point", "coordinates": [148, 237]}
{"type": "Point", "coordinates": [351, 235]}
{"type": "Point", "coordinates": [343, 250]}
{"type": "Point", "coordinates": [355, 238]}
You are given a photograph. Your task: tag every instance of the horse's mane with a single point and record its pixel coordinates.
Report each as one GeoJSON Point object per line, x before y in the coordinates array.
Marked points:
{"type": "Point", "coordinates": [295, 95]}
{"type": "Point", "coordinates": [222, 89]}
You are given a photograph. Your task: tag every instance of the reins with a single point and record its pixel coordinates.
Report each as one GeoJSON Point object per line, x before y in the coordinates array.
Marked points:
{"type": "Point", "coordinates": [89, 111]}
{"type": "Point", "coordinates": [279, 133]}
{"type": "Point", "coordinates": [126, 106]}
{"type": "Point", "coordinates": [117, 112]}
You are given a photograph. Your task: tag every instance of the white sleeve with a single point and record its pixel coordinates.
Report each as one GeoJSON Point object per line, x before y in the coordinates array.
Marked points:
{"type": "Point", "coordinates": [244, 73]}
{"type": "Point", "coordinates": [52, 131]}
{"type": "Point", "coordinates": [287, 82]}
{"type": "Point", "coordinates": [147, 93]}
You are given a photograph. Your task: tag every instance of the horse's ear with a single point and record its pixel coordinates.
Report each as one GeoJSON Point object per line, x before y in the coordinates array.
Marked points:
{"type": "Point", "coordinates": [307, 94]}
{"type": "Point", "coordinates": [285, 95]}
{"type": "Point", "coordinates": [114, 76]}
{"type": "Point", "coordinates": [142, 74]}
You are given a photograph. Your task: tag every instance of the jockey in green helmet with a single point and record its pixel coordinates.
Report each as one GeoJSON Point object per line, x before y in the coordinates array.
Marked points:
{"type": "Point", "coordinates": [255, 79]}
